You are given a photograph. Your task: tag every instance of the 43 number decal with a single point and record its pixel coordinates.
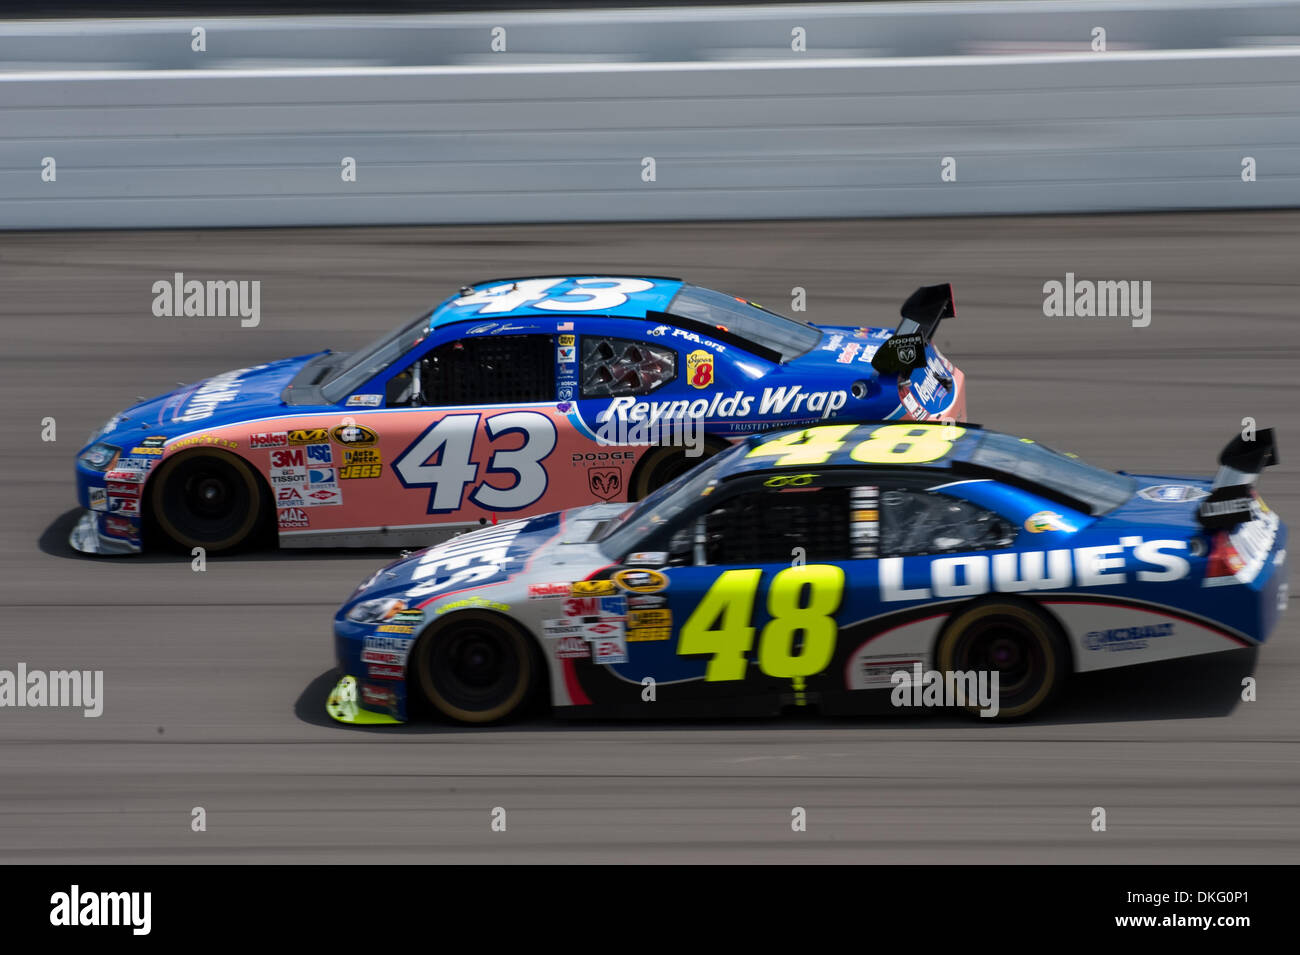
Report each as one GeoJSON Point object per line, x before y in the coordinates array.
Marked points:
{"type": "Point", "coordinates": [441, 460]}
{"type": "Point", "coordinates": [802, 602]}
{"type": "Point", "coordinates": [593, 294]}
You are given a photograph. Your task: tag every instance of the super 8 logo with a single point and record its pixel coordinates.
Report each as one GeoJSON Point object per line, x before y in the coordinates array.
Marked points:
{"type": "Point", "coordinates": [699, 368]}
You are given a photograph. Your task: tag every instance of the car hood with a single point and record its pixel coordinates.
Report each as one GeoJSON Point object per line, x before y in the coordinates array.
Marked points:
{"type": "Point", "coordinates": [223, 399]}
{"type": "Point", "coordinates": [555, 545]}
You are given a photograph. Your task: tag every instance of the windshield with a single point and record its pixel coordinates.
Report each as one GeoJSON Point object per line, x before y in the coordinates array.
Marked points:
{"type": "Point", "coordinates": [1101, 490]}
{"type": "Point", "coordinates": [751, 322]}
{"type": "Point", "coordinates": [363, 365]}
{"type": "Point", "coordinates": [659, 508]}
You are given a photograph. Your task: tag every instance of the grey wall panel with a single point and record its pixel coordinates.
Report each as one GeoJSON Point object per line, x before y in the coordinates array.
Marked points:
{"type": "Point", "coordinates": [768, 139]}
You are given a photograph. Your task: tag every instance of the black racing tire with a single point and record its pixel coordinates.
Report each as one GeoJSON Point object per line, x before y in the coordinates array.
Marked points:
{"type": "Point", "coordinates": [209, 499]}
{"type": "Point", "coordinates": [477, 667]}
{"type": "Point", "coordinates": [1018, 640]}
{"type": "Point", "coordinates": [662, 465]}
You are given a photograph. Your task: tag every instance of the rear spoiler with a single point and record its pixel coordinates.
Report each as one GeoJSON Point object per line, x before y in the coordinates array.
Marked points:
{"type": "Point", "coordinates": [924, 309]}
{"type": "Point", "coordinates": [1232, 496]}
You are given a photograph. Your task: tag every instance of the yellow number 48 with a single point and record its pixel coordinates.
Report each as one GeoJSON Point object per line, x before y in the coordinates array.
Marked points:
{"type": "Point", "coordinates": [722, 624]}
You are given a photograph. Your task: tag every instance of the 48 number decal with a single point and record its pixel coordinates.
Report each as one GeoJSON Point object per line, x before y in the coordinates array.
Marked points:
{"type": "Point", "coordinates": [888, 444]}
{"type": "Point", "coordinates": [802, 601]}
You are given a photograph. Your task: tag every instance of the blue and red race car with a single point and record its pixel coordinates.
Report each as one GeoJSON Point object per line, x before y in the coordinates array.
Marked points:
{"type": "Point", "coordinates": [813, 566]}
{"type": "Point", "coordinates": [513, 397]}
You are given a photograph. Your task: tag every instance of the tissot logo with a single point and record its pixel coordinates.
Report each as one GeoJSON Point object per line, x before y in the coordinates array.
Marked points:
{"type": "Point", "coordinates": [78, 908]}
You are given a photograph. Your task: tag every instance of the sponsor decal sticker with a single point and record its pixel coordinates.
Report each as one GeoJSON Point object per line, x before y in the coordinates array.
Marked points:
{"type": "Point", "coordinates": [1126, 638]}
{"type": "Point", "coordinates": [699, 368]}
{"type": "Point", "coordinates": [292, 517]}
{"type": "Point", "coordinates": [378, 696]}
{"type": "Point", "coordinates": [1046, 521]}
{"type": "Point", "coordinates": [388, 643]}
{"type": "Point", "coordinates": [98, 499]}
{"type": "Point", "coordinates": [354, 436]}
{"type": "Point", "coordinates": [641, 581]}
{"type": "Point", "coordinates": [207, 440]}
{"type": "Point", "coordinates": [549, 590]}
{"type": "Point", "coordinates": [1172, 493]}
{"type": "Point", "coordinates": [265, 440]}
{"type": "Point", "coordinates": [287, 477]}
{"type": "Point", "coordinates": [593, 588]}
{"type": "Point", "coordinates": [308, 436]}
{"type": "Point", "coordinates": [572, 648]}
{"type": "Point", "coordinates": [118, 526]}
{"type": "Point", "coordinates": [605, 483]}
{"type": "Point", "coordinates": [365, 401]}
{"type": "Point", "coordinates": [319, 497]}
{"type": "Point", "coordinates": [288, 458]}
{"type": "Point", "coordinates": [609, 650]}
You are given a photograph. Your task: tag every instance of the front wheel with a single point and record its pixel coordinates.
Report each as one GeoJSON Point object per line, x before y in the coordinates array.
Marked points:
{"type": "Point", "coordinates": [1019, 643]}
{"type": "Point", "coordinates": [211, 500]}
{"type": "Point", "coordinates": [477, 667]}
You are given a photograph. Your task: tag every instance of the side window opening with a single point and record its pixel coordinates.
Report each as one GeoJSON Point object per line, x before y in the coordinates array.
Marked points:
{"type": "Point", "coordinates": [488, 369]}
{"type": "Point", "coordinates": [917, 522]}
{"type": "Point", "coordinates": [765, 526]}
{"type": "Point", "coordinates": [613, 367]}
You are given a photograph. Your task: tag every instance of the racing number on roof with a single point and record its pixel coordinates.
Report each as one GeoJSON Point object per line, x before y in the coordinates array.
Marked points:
{"type": "Point", "coordinates": [888, 444]}
{"type": "Point", "coordinates": [452, 440]}
{"type": "Point", "coordinates": [595, 294]}
{"type": "Point", "coordinates": [722, 624]}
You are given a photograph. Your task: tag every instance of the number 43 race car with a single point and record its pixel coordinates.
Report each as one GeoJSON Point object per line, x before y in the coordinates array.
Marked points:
{"type": "Point", "coordinates": [513, 397]}
{"type": "Point", "coordinates": [834, 566]}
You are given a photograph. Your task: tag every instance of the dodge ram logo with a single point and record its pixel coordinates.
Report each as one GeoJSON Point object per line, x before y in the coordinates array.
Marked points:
{"type": "Point", "coordinates": [606, 483]}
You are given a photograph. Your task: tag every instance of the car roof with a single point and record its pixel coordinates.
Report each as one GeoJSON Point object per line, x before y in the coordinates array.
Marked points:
{"type": "Point", "coordinates": [636, 305]}
{"type": "Point", "coordinates": [948, 448]}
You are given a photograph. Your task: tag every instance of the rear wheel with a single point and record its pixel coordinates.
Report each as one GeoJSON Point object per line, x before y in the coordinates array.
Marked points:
{"type": "Point", "coordinates": [663, 465]}
{"type": "Point", "coordinates": [477, 667]}
{"type": "Point", "coordinates": [211, 500]}
{"type": "Point", "coordinates": [1018, 642]}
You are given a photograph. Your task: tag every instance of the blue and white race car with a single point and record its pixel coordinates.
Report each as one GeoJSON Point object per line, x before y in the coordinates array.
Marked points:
{"type": "Point", "coordinates": [512, 397]}
{"type": "Point", "coordinates": [831, 566]}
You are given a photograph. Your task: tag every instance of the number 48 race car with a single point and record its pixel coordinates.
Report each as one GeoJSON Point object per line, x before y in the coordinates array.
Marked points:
{"type": "Point", "coordinates": [814, 566]}
{"type": "Point", "coordinates": [513, 397]}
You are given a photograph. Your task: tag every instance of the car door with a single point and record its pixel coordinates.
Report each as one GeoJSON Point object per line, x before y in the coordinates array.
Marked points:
{"type": "Point", "coordinates": [463, 433]}
{"type": "Point", "coordinates": [896, 609]}
{"type": "Point", "coordinates": [747, 610]}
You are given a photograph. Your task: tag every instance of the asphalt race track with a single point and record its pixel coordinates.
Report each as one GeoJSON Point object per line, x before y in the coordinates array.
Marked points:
{"type": "Point", "coordinates": [215, 681]}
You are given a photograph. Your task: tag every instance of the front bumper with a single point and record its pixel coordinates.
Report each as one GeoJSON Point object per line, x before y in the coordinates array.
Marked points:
{"type": "Point", "coordinates": [344, 706]}
{"type": "Point", "coordinates": [97, 532]}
